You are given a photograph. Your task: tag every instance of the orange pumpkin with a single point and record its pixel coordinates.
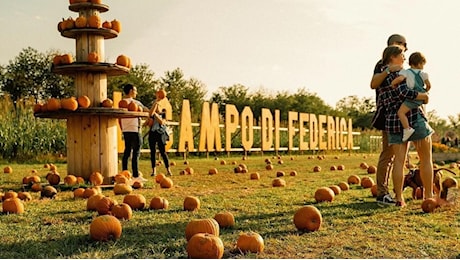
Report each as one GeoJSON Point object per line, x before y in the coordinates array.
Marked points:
{"type": "Point", "coordinates": [138, 185]}
{"type": "Point", "coordinates": [80, 22]}
{"type": "Point", "coordinates": [10, 195]}
{"type": "Point", "coordinates": [207, 225]}
{"type": "Point", "coordinates": [205, 246]}
{"type": "Point", "coordinates": [374, 190]}
{"type": "Point", "coordinates": [107, 103]}
{"type": "Point", "coordinates": [122, 189]}
{"type": "Point", "coordinates": [161, 93]}
{"type": "Point", "coordinates": [363, 165]}
{"type": "Point", "coordinates": [429, 205]}
{"type": "Point", "coordinates": [133, 106]}
{"type": "Point", "coordinates": [53, 104]}
{"type": "Point", "coordinates": [159, 177]}
{"type": "Point", "coordinates": [96, 2]}
{"type": "Point", "coordinates": [213, 171]}
{"type": "Point", "coordinates": [122, 211]}
{"type": "Point", "coordinates": [123, 60]}
{"type": "Point", "coordinates": [120, 178]}
{"type": "Point", "coordinates": [91, 203]}
{"type": "Point", "coordinates": [53, 178]}
{"type": "Point", "coordinates": [123, 104]}
{"type": "Point", "coordinates": [105, 228]}
{"type": "Point", "coordinates": [191, 203]}
{"type": "Point", "coordinates": [250, 242]}
{"type": "Point", "coordinates": [354, 179]}
{"type": "Point", "coordinates": [367, 182]}
{"type": "Point", "coordinates": [78, 193]}
{"type": "Point", "coordinates": [84, 101]}
{"type": "Point", "coordinates": [66, 59]}
{"type": "Point", "coordinates": [336, 189]}
{"type": "Point", "coordinates": [254, 176]}
{"type": "Point", "coordinates": [189, 170]}
{"type": "Point", "coordinates": [278, 182]}
{"type": "Point", "coordinates": [308, 218]}
{"type": "Point", "coordinates": [324, 194]}
{"type": "Point", "coordinates": [36, 187]}
{"type": "Point", "coordinates": [24, 195]}
{"type": "Point", "coordinates": [107, 25]}
{"type": "Point", "coordinates": [166, 183]}
{"type": "Point", "coordinates": [343, 186]}
{"type": "Point", "coordinates": [135, 201]}
{"type": "Point", "coordinates": [90, 192]}
{"type": "Point", "coordinates": [69, 23]}
{"type": "Point", "coordinates": [269, 167]}
{"type": "Point", "coordinates": [116, 25]}
{"type": "Point", "coordinates": [293, 173]}
{"type": "Point", "coordinates": [317, 168]}
{"type": "Point", "coordinates": [94, 21]}
{"type": "Point", "coordinates": [104, 205]}
{"type": "Point", "coordinates": [280, 174]}
{"type": "Point", "coordinates": [93, 57]}
{"type": "Point", "coordinates": [225, 219]}
{"type": "Point", "coordinates": [70, 180]}
{"type": "Point", "coordinates": [13, 205]}
{"type": "Point", "coordinates": [158, 203]}
{"type": "Point", "coordinates": [371, 169]}
{"type": "Point", "coordinates": [37, 108]}
{"type": "Point", "coordinates": [80, 180]}
{"type": "Point", "coordinates": [69, 103]}
{"type": "Point", "coordinates": [8, 169]}
{"type": "Point", "coordinates": [96, 178]}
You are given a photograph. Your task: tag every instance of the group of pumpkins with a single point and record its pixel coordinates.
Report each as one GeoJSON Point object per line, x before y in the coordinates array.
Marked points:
{"type": "Point", "coordinates": [55, 104]}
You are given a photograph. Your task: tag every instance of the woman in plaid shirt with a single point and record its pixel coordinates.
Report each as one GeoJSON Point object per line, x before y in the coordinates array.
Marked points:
{"type": "Point", "coordinates": [392, 98]}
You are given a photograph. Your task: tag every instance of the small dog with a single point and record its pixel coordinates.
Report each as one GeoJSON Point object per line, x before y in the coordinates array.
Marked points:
{"type": "Point", "coordinates": [413, 180]}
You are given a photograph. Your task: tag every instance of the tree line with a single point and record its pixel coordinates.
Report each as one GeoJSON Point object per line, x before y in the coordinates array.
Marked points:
{"type": "Point", "coordinates": [29, 75]}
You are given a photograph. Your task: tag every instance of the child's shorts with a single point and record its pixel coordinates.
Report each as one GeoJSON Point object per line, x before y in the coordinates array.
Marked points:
{"type": "Point", "coordinates": [422, 130]}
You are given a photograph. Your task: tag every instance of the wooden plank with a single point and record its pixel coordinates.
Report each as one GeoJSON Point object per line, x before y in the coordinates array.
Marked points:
{"type": "Point", "coordinates": [85, 154]}
{"type": "Point", "coordinates": [94, 148]}
{"type": "Point", "coordinates": [108, 148]}
{"type": "Point", "coordinates": [72, 131]}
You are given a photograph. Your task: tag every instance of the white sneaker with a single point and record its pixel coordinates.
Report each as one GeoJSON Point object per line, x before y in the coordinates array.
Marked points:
{"type": "Point", "coordinates": [407, 133]}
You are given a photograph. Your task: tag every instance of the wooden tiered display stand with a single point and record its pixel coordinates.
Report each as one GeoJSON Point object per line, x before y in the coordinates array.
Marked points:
{"type": "Point", "coordinates": [91, 132]}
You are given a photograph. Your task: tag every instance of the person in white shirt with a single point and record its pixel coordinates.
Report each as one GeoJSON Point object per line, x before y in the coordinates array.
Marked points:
{"type": "Point", "coordinates": [415, 79]}
{"type": "Point", "coordinates": [131, 128]}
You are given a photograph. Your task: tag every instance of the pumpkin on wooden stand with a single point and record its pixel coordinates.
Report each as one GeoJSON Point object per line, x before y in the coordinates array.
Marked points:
{"type": "Point", "coordinates": [70, 103]}
{"type": "Point", "coordinates": [83, 101]}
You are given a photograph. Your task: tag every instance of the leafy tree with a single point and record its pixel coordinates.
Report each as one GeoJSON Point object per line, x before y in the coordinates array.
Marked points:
{"type": "Point", "coordinates": [307, 102]}
{"type": "Point", "coordinates": [360, 110]}
{"type": "Point", "coordinates": [141, 77]}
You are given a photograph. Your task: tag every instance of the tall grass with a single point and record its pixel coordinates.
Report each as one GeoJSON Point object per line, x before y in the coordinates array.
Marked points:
{"type": "Point", "coordinates": [24, 137]}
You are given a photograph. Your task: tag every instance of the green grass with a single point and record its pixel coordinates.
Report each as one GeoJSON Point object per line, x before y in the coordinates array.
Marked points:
{"type": "Point", "coordinates": [354, 226]}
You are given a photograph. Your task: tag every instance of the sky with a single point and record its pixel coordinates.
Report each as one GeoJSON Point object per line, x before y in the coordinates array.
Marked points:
{"type": "Point", "coordinates": [328, 47]}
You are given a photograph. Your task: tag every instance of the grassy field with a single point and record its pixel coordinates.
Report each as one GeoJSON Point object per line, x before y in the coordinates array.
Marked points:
{"type": "Point", "coordinates": [354, 225]}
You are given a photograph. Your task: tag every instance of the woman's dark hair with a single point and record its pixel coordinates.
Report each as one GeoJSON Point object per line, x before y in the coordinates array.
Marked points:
{"type": "Point", "coordinates": [416, 58]}
{"type": "Point", "coordinates": [127, 88]}
{"type": "Point", "coordinates": [391, 51]}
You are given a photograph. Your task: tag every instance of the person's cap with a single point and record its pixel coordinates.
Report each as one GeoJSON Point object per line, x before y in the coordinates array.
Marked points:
{"type": "Point", "coordinates": [397, 39]}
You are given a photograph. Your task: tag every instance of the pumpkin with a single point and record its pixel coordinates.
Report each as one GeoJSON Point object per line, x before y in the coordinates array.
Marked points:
{"type": "Point", "coordinates": [66, 59]}
{"type": "Point", "coordinates": [254, 176]}
{"type": "Point", "coordinates": [104, 205]}
{"type": "Point", "coordinates": [205, 246]}
{"type": "Point", "coordinates": [138, 185]}
{"type": "Point", "coordinates": [120, 178]}
{"type": "Point", "coordinates": [105, 228]}
{"type": "Point", "coordinates": [324, 194]}
{"type": "Point", "coordinates": [24, 195]}
{"type": "Point", "coordinates": [207, 225]}
{"type": "Point", "coordinates": [280, 174]}
{"type": "Point", "coordinates": [37, 108]}
{"type": "Point", "coordinates": [96, 178]}
{"type": "Point", "coordinates": [10, 194]}
{"type": "Point", "coordinates": [159, 177]}
{"type": "Point", "coordinates": [84, 101]}
{"type": "Point", "coordinates": [53, 167]}
{"type": "Point", "coordinates": [374, 190]}
{"type": "Point", "coordinates": [80, 180]}
{"type": "Point", "coordinates": [91, 203]}
{"type": "Point", "coordinates": [161, 93]}
{"type": "Point", "coordinates": [189, 170]}
{"type": "Point", "coordinates": [107, 25]}
{"type": "Point", "coordinates": [213, 171]}
{"type": "Point", "coordinates": [78, 193]}
{"type": "Point", "coordinates": [191, 203]}
{"type": "Point", "coordinates": [293, 173]}
{"type": "Point", "coordinates": [122, 189]}
{"type": "Point", "coordinates": [343, 186]}
{"type": "Point", "coordinates": [133, 106]}
{"type": "Point", "coordinates": [80, 21]}
{"type": "Point", "coordinates": [60, 25]}
{"type": "Point", "coordinates": [34, 179]}
{"type": "Point", "coordinates": [123, 104]}
{"type": "Point", "coordinates": [122, 211]}
{"type": "Point", "coordinates": [336, 189]}
{"type": "Point", "coordinates": [116, 25]}
{"type": "Point", "coordinates": [333, 168]}
{"type": "Point", "coordinates": [166, 183]}
{"type": "Point", "coordinates": [341, 167]}
{"type": "Point", "coordinates": [280, 162]}
{"type": "Point", "coordinates": [122, 60]}
{"type": "Point", "coordinates": [317, 168]}
{"type": "Point", "coordinates": [96, 2]}
{"type": "Point", "coordinates": [225, 219]}
{"type": "Point", "coordinates": [353, 179]}
{"type": "Point", "coordinates": [70, 180]}
{"type": "Point", "coordinates": [107, 103]}
{"type": "Point", "coordinates": [90, 192]}
{"type": "Point", "coordinates": [250, 242]}
{"type": "Point", "coordinates": [13, 205]}
{"type": "Point", "coordinates": [53, 178]}
{"type": "Point", "coordinates": [94, 21]}
{"type": "Point", "coordinates": [158, 203]}
{"type": "Point", "coordinates": [53, 104]}
{"type": "Point", "coordinates": [93, 57]}
{"type": "Point", "coordinates": [69, 103]}
{"type": "Point", "coordinates": [48, 192]}
{"type": "Point", "coordinates": [371, 169]}
{"type": "Point", "coordinates": [135, 201]}
{"type": "Point", "coordinates": [363, 166]}
{"type": "Point", "coordinates": [69, 23]}
{"type": "Point", "coordinates": [429, 205]}
{"type": "Point", "coordinates": [278, 182]}
{"type": "Point", "coordinates": [269, 167]}
{"type": "Point", "coordinates": [36, 187]}
{"type": "Point", "coordinates": [367, 182]}
{"type": "Point", "coordinates": [308, 218]}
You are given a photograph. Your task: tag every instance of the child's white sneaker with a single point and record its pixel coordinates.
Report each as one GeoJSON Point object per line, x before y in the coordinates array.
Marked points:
{"type": "Point", "coordinates": [407, 133]}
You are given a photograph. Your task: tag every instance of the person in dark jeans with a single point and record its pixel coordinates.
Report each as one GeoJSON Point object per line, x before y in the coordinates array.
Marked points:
{"type": "Point", "coordinates": [131, 128]}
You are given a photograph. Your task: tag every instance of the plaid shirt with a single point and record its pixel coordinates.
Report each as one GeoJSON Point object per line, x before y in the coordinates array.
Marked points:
{"type": "Point", "coordinates": [392, 98]}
